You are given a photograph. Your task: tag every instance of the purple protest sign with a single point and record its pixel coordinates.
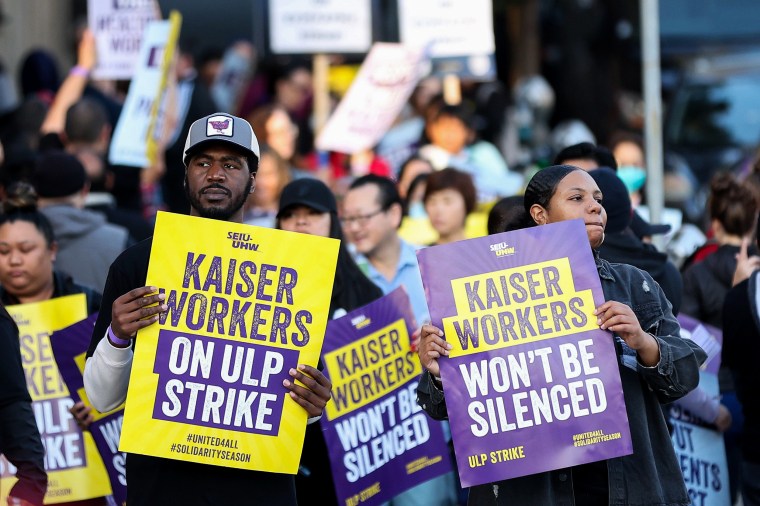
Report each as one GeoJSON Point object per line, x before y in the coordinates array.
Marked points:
{"type": "Point", "coordinates": [532, 383]}
{"type": "Point", "coordinates": [379, 440]}
{"type": "Point", "coordinates": [188, 376]}
{"type": "Point", "coordinates": [708, 338]}
{"type": "Point", "coordinates": [69, 349]}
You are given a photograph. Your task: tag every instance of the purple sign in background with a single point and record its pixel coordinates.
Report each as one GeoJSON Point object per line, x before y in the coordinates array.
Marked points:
{"type": "Point", "coordinates": [709, 338]}
{"type": "Point", "coordinates": [67, 344]}
{"type": "Point", "coordinates": [196, 373]}
{"type": "Point", "coordinates": [388, 445]}
{"type": "Point", "coordinates": [555, 419]}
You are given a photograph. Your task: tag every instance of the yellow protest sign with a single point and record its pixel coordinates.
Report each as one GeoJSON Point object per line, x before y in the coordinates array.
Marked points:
{"type": "Point", "coordinates": [518, 305]}
{"type": "Point", "coordinates": [75, 469]}
{"type": "Point", "coordinates": [245, 305]}
{"type": "Point", "coordinates": [369, 368]}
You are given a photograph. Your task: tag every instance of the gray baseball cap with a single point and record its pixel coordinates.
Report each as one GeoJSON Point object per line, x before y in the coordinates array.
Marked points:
{"type": "Point", "coordinates": [221, 127]}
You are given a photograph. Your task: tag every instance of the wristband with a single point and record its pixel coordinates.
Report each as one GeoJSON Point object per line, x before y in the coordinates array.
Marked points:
{"type": "Point", "coordinates": [119, 342]}
{"type": "Point", "coordinates": [80, 71]}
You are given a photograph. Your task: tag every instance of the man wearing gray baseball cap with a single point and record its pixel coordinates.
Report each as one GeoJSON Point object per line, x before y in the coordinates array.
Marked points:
{"type": "Point", "coordinates": [221, 158]}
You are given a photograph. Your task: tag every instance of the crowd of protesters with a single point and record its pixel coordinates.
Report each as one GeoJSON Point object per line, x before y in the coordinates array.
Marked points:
{"type": "Point", "coordinates": [68, 214]}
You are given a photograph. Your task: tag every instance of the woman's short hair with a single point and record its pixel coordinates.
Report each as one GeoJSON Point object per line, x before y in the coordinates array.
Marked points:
{"type": "Point", "coordinates": [455, 180]}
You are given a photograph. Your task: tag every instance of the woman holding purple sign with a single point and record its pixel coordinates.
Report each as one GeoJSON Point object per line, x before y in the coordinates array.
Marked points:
{"type": "Point", "coordinates": [656, 365]}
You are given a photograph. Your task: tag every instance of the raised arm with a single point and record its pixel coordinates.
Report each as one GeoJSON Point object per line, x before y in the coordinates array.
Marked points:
{"type": "Point", "coordinates": [72, 87]}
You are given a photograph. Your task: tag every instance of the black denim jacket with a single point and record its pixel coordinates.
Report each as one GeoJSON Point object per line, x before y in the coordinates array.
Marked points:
{"type": "Point", "coordinates": [651, 475]}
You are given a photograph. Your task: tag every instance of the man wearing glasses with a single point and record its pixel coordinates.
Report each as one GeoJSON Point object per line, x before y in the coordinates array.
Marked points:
{"type": "Point", "coordinates": [371, 217]}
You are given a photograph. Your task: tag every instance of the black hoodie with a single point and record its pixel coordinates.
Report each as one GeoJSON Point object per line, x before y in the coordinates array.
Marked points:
{"type": "Point", "coordinates": [625, 248]}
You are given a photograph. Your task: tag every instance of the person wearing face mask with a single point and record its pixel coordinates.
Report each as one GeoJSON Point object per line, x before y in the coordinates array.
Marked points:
{"type": "Point", "coordinates": [655, 364]}
{"type": "Point", "coordinates": [628, 151]}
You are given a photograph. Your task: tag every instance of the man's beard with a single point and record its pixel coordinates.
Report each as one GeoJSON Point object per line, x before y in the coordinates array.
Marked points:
{"type": "Point", "coordinates": [220, 212]}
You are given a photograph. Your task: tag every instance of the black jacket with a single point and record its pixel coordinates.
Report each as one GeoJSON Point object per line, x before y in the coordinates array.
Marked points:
{"type": "Point", "coordinates": [705, 285]}
{"type": "Point", "coordinates": [19, 437]}
{"type": "Point", "coordinates": [625, 248]}
{"type": "Point", "coordinates": [63, 285]}
{"type": "Point", "coordinates": [741, 349]}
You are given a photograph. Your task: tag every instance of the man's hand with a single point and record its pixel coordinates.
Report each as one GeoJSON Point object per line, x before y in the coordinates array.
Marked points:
{"type": "Point", "coordinates": [314, 396]}
{"type": "Point", "coordinates": [432, 346]}
{"type": "Point", "coordinates": [136, 310]}
{"type": "Point", "coordinates": [82, 414]}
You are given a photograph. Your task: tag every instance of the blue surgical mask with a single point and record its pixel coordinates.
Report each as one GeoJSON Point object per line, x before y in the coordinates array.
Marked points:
{"type": "Point", "coordinates": [633, 177]}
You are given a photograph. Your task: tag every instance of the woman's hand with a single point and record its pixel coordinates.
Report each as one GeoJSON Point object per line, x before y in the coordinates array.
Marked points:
{"type": "Point", "coordinates": [135, 310]}
{"type": "Point", "coordinates": [314, 396]}
{"type": "Point", "coordinates": [745, 264]}
{"type": "Point", "coordinates": [620, 319]}
{"type": "Point", "coordinates": [432, 346]}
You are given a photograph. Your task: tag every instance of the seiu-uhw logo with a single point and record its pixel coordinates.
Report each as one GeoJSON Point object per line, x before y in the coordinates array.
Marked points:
{"type": "Point", "coordinates": [502, 249]}
{"type": "Point", "coordinates": [361, 321]}
{"type": "Point", "coordinates": [242, 241]}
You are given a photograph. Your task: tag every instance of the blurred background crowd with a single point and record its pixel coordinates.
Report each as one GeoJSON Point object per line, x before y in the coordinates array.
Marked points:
{"type": "Point", "coordinates": [566, 89]}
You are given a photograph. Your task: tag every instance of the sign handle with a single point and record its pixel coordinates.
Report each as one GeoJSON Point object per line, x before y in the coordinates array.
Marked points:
{"type": "Point", "coordinates": [321, 68]}
{"type": "Point", "coordinates": [452, 89]}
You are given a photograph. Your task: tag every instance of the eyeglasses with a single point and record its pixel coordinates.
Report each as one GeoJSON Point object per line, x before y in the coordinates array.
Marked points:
{"type": "Point", "coordinates": [361, 219]}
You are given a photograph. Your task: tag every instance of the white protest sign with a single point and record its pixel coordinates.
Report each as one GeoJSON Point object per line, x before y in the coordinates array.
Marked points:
{"type": "Point", "coordinates": [320, 26]}
{"type": "Point", "coordinates": [236, 69]}
{"type": "Point", "coordinates": [118, 26]}
{"type": "Point", "coordinates": [701, 452]}
{"type": "Point", "coordinates": [381, 88]}
{"type": "Point", "coordinates": [133, 142]}
{"type": "Point", "coordinates": [450, 27]}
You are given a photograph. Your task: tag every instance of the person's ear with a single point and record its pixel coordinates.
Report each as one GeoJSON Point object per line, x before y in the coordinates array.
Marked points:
{"type": "Point", "coordinates": [53, 249]}
{"type": "Point", "coordinates": [539, 214]}
{"type": "Point", "coordinates": [397, 213]}
{"type": "Point", "coordinates": [253, 183]}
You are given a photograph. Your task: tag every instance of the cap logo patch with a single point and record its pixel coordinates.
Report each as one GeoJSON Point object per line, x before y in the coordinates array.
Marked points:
{"type": "Point", "coordinates": [219, 125]}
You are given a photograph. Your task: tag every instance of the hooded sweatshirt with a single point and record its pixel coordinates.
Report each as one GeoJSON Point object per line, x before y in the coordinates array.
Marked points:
{"type": "Point", "coordinates": [87, 243]}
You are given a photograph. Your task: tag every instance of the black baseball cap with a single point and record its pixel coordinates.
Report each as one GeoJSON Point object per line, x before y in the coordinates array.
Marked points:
{"type": "Point", "coordinates": [308, 192]}
{"type": "Point", "coordinates": [221, 127]}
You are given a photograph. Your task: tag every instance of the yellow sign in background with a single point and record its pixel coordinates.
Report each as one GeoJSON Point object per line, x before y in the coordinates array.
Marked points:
{"type": "Point", "coordinates": [178, 242]}
{"type": "Point", "coordinates": [392, 368]}
{"type": "Point", "coordinates": [71, 476]}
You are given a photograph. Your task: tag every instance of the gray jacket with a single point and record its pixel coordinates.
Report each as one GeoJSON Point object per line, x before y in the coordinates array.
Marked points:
{"type": "Point", "coordinates": [87, 243]}
{"type": "Point", "coordinates": [651, 475]}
